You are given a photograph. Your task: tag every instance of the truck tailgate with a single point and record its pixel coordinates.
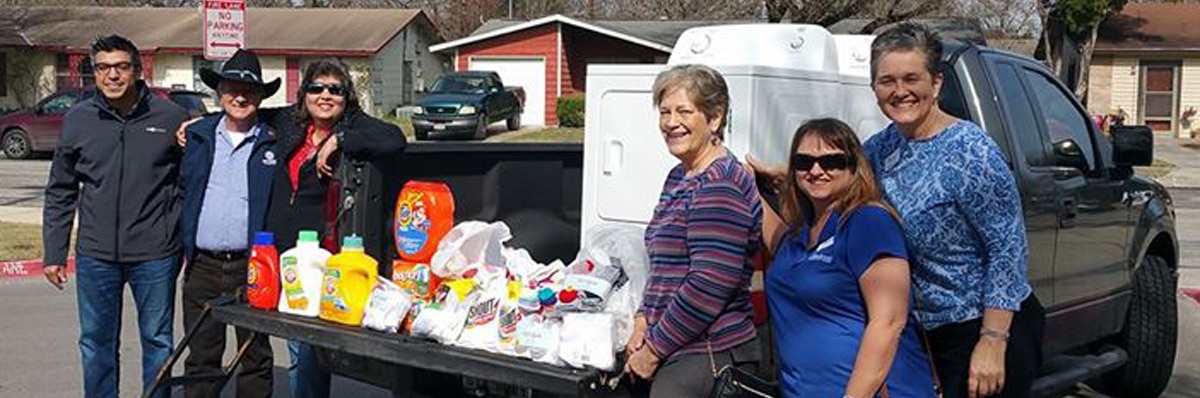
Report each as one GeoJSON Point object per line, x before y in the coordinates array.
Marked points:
{"type": "Point", "coordinates": [407, 351]}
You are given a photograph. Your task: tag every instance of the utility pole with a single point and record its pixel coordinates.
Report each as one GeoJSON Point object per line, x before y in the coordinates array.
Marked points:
{"type": "Point", "coordinates": [510, 9]}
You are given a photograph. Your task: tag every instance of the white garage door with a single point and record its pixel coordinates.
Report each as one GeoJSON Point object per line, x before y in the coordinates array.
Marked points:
{"type": "Point", "coordinates": [529, 73]}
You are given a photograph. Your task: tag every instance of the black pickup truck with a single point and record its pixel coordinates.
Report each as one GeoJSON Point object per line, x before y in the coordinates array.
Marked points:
{"type": "Point", "coordinates": [1103, 247]}
{"type": "Point", "coordinates": [467, 103]}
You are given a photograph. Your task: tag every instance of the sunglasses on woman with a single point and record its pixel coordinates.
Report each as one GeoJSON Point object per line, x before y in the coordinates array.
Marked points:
{"type": "Point", "coordinates": [830, 162]}
{"type": "Point", "coordinates": [317, 88]}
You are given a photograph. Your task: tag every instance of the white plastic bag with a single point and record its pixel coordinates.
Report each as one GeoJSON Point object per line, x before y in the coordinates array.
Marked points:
{"type": "Point", "coordinates": [624, 247]}
{"type": "Point", "coordinates": [538, 339]}
{"type": "Point", "coordinates": [468, 246]}
{"type": "Point", "coordinates": [386, 307]}
{"type": "Point", "coordinates": [443, 320]}
{"type": "Point", "coordinates": [481, 330]}
{"type": "Point", "coordinates": [587, 341]}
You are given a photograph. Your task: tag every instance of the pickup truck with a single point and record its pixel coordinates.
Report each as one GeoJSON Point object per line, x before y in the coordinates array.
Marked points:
{"type": "Point", "coordinates": [467, 103]}
{"type": "Point", "coordinates": [1103, 246]}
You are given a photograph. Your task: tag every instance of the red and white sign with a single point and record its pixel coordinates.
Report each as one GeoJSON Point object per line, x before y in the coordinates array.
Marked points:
{"type": "Point", "coordinates": [224, 28]}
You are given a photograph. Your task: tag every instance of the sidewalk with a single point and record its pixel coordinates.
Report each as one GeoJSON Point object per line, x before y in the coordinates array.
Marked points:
{"type": "Point", "coordinates": [21, 214]}
{"type": "Point", "coordinates": [1184, 154]}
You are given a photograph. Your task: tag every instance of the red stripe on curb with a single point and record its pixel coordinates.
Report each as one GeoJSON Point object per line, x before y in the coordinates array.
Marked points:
{"type": "Point", "coordinates": [28, 268]}
{"type": "Point", "coordinates": [1192, 293]}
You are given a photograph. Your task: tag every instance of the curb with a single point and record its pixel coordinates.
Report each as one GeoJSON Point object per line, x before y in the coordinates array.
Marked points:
{"type": "Point", "coordinates": [28, 268]}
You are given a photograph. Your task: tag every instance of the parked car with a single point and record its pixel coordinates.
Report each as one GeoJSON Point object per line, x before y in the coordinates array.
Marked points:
{"type": "Point", "coordinates": [466, 103]}
{"type": "Point", "coordinates": [37, 129]}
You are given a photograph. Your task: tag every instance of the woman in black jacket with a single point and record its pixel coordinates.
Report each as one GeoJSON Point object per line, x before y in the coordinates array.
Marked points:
{"type": "Point", "coordinates": [327, 122]}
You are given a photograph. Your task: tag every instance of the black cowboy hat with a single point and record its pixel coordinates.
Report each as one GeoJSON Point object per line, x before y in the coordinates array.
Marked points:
{"type": "Point", "coordinates": [242, 67]}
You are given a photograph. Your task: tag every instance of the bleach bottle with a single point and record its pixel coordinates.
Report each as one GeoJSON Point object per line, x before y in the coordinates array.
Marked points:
{"type": "Point", "coordinates": [349, 278]}
{"type": "Point", "coordinates": [301, 269]}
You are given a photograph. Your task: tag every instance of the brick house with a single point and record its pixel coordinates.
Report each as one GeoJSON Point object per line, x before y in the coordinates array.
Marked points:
{"type": "Point", "coordinates": [45, 49]}
{"type": "Point", "coordinates": [549, 56]}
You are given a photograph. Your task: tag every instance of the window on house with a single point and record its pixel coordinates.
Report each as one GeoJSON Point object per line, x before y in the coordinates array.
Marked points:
{"type": "Point", "coordinates": [199, 62]}
{"type": "Point", "coordinates": [1159, 97]}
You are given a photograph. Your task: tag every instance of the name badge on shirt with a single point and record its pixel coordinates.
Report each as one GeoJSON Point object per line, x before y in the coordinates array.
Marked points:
{"type": "Point", "coordinates": [269, 158]}
{"type": "Point", "coordinates": [891, 160]}
{"type": "Point", "coordinates": [817, 254]}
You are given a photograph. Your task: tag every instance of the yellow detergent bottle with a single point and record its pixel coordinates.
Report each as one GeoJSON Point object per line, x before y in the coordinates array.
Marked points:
{"type": "Point", "coordinates": [301, 270]}
{"type": "Point", "coordinates": [349, 277]}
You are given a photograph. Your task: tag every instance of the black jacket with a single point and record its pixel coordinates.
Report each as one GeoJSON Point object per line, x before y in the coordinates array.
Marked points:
{"type": "Point", "coordinates": [292, 210]}
{"type": "Point", "coordinates": [121, 173]}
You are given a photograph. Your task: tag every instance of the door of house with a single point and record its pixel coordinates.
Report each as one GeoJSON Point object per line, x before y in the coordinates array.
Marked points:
{"type": "Point", "coordinates": [1160, 94]}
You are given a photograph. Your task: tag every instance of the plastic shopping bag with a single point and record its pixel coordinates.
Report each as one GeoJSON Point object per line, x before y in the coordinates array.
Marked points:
{"type": "Point", "coordinates": [468, 246]}
{"type": "Point", "coordinates": [443, 320]}
{"type": "Point", "coordinates": [386, 307]}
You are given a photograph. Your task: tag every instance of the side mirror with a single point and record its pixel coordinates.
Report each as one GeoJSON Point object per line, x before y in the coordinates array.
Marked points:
{"type": "Point", "coordinates": [1132, 145]}
{"type": "Point", "coordinates": [1068, 154]}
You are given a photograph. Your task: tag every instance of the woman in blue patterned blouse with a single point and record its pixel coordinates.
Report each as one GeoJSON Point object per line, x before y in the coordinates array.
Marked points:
{"type": "Point", "coordinates": [963, 221]}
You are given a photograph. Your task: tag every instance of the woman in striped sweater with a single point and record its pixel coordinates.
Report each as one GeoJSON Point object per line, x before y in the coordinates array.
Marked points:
{"type": "Point", "coordinates": [696, 315]}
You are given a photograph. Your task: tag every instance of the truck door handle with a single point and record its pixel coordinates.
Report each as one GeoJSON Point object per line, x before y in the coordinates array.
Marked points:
{"type": "Point", "coordinates": [614, 154]}
{"type": "Point", "coordinates": [1066, 217]}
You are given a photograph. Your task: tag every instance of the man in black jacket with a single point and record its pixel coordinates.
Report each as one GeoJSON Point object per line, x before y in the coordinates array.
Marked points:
{"type": "Point", "coordinates": [117, 164]}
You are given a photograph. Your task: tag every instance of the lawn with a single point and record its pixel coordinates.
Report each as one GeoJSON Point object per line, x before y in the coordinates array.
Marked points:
{"type": "Point", "coordinates": [1158, 169]}
{"type": "Point", "coordinates": [20, 241]}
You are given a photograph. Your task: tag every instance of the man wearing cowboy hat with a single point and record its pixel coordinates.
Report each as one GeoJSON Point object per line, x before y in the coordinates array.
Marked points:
{"type": "Point", "coordinates": [228, 164]}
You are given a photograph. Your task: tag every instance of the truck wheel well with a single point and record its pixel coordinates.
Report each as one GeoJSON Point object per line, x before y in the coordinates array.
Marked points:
{"type": "Point", "coordinates": [1161, 246]}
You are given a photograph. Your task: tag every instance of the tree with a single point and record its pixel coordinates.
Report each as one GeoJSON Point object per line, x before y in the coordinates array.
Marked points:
{"type": "Point", "coordinates": [829, 12]}
{"type": "Point", "coordinates": [1079, 21]}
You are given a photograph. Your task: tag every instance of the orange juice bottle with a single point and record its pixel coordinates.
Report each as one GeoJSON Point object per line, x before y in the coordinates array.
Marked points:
{"type": "Point", "coordinates": [349, 277]}
{"type": "Point", "coordinates": [424, 215]}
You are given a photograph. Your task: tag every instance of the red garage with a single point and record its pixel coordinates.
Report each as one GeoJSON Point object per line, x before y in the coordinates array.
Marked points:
{"type": "Point", "coordinates": [548, 57]}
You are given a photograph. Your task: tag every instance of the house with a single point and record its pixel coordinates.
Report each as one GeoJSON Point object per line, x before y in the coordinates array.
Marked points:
{"type": "Point", "coordinates": [549, 56]}
{"type": "Point", "coordinates": [43, 49]}
{"type": "Point", "coordinates": [1147, 65]}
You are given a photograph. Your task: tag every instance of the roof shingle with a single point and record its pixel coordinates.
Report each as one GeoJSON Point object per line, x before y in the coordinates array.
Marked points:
{"type": "Point", "coordinates": [1152, 27]}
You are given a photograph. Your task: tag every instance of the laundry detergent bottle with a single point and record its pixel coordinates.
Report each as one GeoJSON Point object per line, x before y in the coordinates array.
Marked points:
{"type": "Point", "coordinates": [301, 269]}
{"type": "Point", "coordinates": [262, 275]}
{"type": "Point", "coordinates": [349, 277]}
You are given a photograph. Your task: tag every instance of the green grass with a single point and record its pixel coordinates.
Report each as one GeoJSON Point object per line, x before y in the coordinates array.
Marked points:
{"type": "Point", "coordinates": [20, 241]}
{"type": "Point", "coordinates": [1158, 169]}
{"type": "Point", "coordinates": [549, 134]}
{"type": "Point", "coordinates": [405, 126]}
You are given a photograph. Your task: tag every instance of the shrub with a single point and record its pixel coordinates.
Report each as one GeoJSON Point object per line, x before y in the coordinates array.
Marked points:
{"type": "Point", "coordinates": [570, 110]}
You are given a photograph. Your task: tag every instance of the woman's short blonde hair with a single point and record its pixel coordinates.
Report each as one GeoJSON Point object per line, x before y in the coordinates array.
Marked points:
{"type": "Point", "coordinates": [704, 86]}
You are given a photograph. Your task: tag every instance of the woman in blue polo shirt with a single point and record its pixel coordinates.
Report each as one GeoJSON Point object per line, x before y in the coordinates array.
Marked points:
{"type": "Point", "coordinates": [838, 289]}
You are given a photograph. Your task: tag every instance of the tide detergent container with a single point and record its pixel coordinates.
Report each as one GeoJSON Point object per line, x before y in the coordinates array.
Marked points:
{"type": "Point", "coordinates": [301, 269]}
{"type": "Point", "coordinates": [349, 277]}
{"type": "Point", "coordinates": [424, 215]}
{"type": "Point", "coordinates": [262, 273]}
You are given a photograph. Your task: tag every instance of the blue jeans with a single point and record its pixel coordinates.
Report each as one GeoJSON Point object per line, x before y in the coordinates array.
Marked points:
{"type": "Point", "coordinates": [100, 287]}
{"type": "Point", "coordinates": [305, 376]}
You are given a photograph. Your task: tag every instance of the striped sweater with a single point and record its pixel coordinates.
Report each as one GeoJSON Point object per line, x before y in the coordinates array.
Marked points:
{"type": "Point", "coordinates": [704, 232]}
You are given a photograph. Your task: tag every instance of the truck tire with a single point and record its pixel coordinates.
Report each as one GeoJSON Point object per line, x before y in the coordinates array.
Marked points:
{"type": "Point", "coordinates": [17, 144]}
{"type": "Point", "coordinates": [1149, 335]}
{"type": "Point", "coordinates": [481, 128]}
{"type": "Point", "coordinates": [514, 123]}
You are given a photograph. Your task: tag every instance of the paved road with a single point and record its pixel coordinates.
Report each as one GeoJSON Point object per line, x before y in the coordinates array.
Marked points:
{"type": "Point", "coordinates": [38, 326]}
